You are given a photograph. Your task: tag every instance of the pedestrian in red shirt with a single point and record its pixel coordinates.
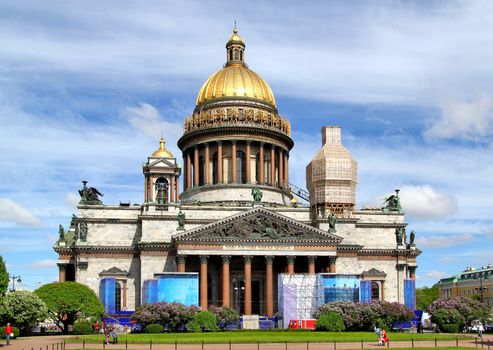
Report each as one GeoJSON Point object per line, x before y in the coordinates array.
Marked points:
{"type": "Point", "coordinates": [9, 332]}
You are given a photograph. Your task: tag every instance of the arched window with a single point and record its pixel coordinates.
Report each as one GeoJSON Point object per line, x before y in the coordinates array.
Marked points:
{"type": "Point", "coordinates": [162, 190]}
{"type": "Point", "coordinates": [236, 55]}
{"type": "Point", "coordinates": [230, 55]}
{"type": "Point", "coordinates": [214, 169]}
{"type": "Point", "coordinates": [375, 291]}
{"type": "Point", "coordinates": [240, 167]}
{"type": "Point", "coordinates": [201, 171]}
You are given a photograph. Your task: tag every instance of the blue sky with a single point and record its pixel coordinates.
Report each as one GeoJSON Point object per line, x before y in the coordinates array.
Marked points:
{"type": "Point", "coordinates": [87, 87]}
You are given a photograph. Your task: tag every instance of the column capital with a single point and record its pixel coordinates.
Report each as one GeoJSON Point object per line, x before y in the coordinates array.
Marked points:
{"type": "Point", "coordinates": [312, 259]}
{"type": "Point", "coordinates": [226, 259]}
{"type": "Point", "coordinates": [233, 142]}
{"type": "Point", "coordinates": [332, 259]}
{"type": "Point", "coordinates": [400, 267]}
{"type": "Point", "coordinates": [219, 142]}
{"type": "Point", "coordinates": [62, 266]}
{"type": "Point", "coordinates": [290, 259]}
{"type": "Point", "coordinates": [269, 259]}
{"type": "Point", "coordinates": [412, 269]}
{"type": "Point", "coordinates": [204, 259]}
{"type": "Point", "coordinates": [181, 259]}
{"type": "Point", "coordinates": [248, 142]}
{"type": "Point", "coordinates": [247, 259]}
{"type": "Point", "coordinates": [82, 265]}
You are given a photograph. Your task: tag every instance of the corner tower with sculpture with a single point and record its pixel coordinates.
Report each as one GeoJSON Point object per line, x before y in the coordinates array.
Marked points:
{"type": "Point", "coordinates": [239, 233]}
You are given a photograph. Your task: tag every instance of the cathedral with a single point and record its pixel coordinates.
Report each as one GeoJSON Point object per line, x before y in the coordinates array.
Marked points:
{"type": "Point", "coordinates": [234, 234]}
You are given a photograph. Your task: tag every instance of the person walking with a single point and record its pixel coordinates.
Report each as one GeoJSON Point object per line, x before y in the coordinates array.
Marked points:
{"type": "Point", "coordinates": [480, 330]}
{"type": "Point", "coordinates": [9, 333]}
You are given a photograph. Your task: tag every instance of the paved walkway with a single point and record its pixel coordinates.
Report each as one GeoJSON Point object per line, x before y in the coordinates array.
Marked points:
{"type": "Point", "coordinates": [56, 343]}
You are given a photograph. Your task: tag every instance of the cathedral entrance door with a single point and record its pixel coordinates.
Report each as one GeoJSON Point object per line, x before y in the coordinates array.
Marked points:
{"type": "Point", "coordinates": [238, 293]}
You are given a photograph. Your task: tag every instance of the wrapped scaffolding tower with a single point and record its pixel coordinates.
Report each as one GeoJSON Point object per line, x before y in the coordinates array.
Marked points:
{"type": "Point", "coordinates": [299, 296]}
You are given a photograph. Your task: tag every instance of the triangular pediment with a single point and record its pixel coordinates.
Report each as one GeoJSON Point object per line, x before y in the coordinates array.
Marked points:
{"type": "Point", "coordinates": [114, 271]}
{"type": "Point", "coordinates": [373, 273]}
{"type": "Point", "coordinates": [162, 163]}
{"type": "Point", "coordinates": [257, 225]}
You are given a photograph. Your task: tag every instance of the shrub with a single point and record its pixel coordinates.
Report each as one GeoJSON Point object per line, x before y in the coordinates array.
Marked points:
{"type": "Point", "coordinates": [364, 317]}
{"type": "Point", "coordinates": [154, 328]}
{"type": "Point", "coordinates": [14, 329]}
{"type": "Point", "coordinates": [449, 328]}
{"type": "Point", "coordinates": [194, 326]}
{"type": "Point", "coordinates": [175, 315]}
{"type": "Point", "coordinates": [82, 327]}
{"type": "Point", "coordinates": [207, 321]}
{"type": "Point", "coordinates": [225, 314]}
{"type": "Point", "coordinates": [330, 322]}
{"type": "Point", "coordinates": [460, 311]}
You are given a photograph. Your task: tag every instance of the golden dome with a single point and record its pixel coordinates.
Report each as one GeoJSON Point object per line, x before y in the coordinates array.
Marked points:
{"type": "Point", "coordinates": [235, 38]}
{"type": "Point", "coordinates": [162, 151]}
{"type": "Point", "coordinates": [235, 80]}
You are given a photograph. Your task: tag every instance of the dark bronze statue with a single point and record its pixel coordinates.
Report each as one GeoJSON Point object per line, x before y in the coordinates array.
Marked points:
{"type": "Point", "coordinates": [181, 220]}
{"type": "Point", "coordinates": [89, 195]}
{"type": "Point", "coordinates": [332, 222]}
{"type": "Point", "coordinates": [412, 237]}
{"type": "Point", "coordinates": [399, 235]}
{"type": "Point", "coordinates": [257, 194]}
{"type": "Point", "coordinates": [393, 203]}
{"type": "Point", "coordinates": [61, 232]}
{"type": "Point", "coordinates": [83, 231]}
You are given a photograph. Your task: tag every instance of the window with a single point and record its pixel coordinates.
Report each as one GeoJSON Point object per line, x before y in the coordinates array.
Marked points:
{"type": "Point", "coordinates": [240, 167]}
{"type": "Point", "coordinates": [118, 297]}
{"type": "Point", "coordinates": [236, 55]}
{"type": "Point", "coordinates": [201, 171]}
{"type": "Point", "coordinates": [375, 291]}
{"type": "Point", "coordinates": [162, 190]}
{"type": "Point", "coordinates": [214, 169]}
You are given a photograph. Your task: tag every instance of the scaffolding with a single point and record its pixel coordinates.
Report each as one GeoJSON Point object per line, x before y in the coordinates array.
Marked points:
{"type": "Point", "coordinates": [299, 296]}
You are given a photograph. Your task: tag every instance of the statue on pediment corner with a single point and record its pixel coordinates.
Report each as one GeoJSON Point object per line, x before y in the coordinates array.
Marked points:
{"type": "Point", "coordinates": [332, 222]}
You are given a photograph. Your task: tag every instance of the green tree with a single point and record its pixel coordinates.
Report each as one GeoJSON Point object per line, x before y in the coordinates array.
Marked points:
{"type": "Point", "coordinates": [426, 296]}
{"type": "Point", "coordinates": [22, 308]}
{"type": "Point", "coordinates": [4, 277]}
{"type": "Point", "coordinates": [68, 301]}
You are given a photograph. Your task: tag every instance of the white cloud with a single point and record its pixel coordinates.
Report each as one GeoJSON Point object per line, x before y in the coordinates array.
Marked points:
{"type": "Point", "coordinates": [443, 241]}
{"type": "Point", "coordinates": [462, 119]}
{"type": "Point", "coordinates": [146, 119]}
{"type": "Point", "coordinates": [424, 203]}
{"type": "Point", "coordinates": [72, 199]}
{"type": "Point", "coordinates": [436, 275]}
{"type": "Point", "coordinates": [44, 264]}
{"type": "Point", "coordinates": [10, 211]}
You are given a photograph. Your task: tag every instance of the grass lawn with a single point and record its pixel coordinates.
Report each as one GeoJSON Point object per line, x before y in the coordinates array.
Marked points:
{"type": "Point", "coordinates": [244, 337]}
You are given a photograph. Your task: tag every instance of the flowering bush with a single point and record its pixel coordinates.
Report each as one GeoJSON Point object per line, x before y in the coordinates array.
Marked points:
{"type": "Point", "coordinates": [460, 311]}
{"type": "Point", "coordinates": [358, 316]}
{"type": "Point", "coordinates": [174, 315]}
{"type": "Point", "coordinates": [225, 315]}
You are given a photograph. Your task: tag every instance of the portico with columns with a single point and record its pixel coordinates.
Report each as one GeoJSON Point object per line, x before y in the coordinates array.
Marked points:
{"type": "Point", "coordinates": [240, 257]}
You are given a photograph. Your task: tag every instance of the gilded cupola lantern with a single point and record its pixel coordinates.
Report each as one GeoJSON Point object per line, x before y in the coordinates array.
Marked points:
{"type": "Point", "coordinates": [235, 49]}
{"type": "Point", "coordinates": [161, 172]}
{"type": "Point", "coordinates": [235, 140]}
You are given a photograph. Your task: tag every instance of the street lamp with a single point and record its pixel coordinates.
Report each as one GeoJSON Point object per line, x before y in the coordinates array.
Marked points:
{"type": "Point", "coordinates": [14, 278]}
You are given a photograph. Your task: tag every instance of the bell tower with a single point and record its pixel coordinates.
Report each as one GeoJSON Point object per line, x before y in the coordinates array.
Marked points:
{"type": "Point", "coordinates": [161, 174]}
{"type": "Point", "coordinates": [331, 177]}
